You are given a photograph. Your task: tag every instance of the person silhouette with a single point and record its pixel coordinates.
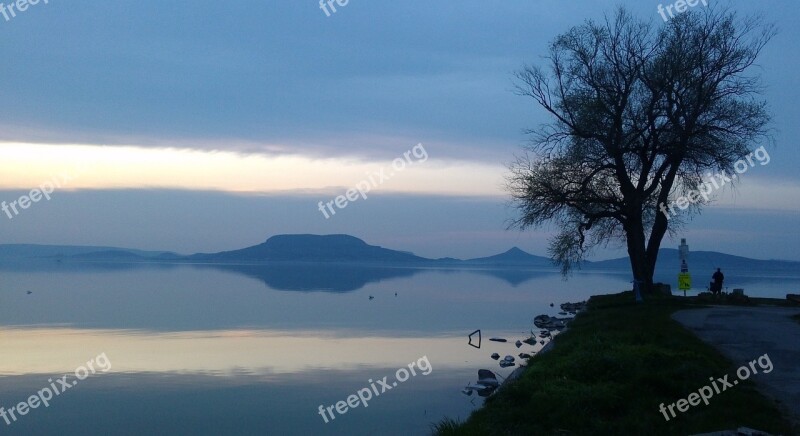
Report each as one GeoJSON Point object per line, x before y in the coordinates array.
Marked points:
{"type": "Point", "coordinates": [716, 285]}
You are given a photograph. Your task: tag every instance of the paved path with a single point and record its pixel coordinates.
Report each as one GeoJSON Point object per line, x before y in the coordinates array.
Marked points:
{"type": "Point", "coordinates": [745, 333]}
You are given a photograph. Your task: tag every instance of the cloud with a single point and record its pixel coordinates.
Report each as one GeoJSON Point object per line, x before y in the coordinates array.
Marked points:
{"type": "Point", "coordinates": [248, 75]}
{"type": "Point", "coordinates": [27, 165]}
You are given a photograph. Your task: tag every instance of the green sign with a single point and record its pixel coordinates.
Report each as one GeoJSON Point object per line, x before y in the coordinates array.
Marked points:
{"type": "Point", "coordinates": [684, 281]}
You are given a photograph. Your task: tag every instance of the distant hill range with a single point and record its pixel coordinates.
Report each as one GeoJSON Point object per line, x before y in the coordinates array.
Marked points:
{"type": "Point", "coordinates": [700, 261]}
{"type": "Point", "coordinates": [32, 251]}
{"type": "Point", "coordinates": [346, 248]}
{"type": "Point", "coordinates": [312, 248]}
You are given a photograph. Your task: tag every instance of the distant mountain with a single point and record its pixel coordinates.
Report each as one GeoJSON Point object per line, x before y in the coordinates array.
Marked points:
{"type": "Point", "coordinates": [345, 248]}
{"type": "Point", "coordinates": [701, 262]}
{"type": "Point", "coordinates": [108, 254]}
{"type": "Point", "coordinates": [515, 257]}
{"type": "Point", "coordinates": [33, 251]}
{"type": "Point", "coordinates": [312, 248]}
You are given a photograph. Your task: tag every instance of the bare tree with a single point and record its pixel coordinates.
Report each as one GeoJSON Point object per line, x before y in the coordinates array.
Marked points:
{"type": "Point", "coordinates": [639, 114]}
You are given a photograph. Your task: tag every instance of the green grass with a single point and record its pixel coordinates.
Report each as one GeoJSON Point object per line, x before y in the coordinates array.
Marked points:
{"type": "Point", "coordinates": [609, 373]}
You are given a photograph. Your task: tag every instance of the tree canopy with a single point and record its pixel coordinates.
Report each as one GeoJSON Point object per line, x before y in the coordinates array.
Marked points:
{"type": "Point", "coordinates": [640, 115]}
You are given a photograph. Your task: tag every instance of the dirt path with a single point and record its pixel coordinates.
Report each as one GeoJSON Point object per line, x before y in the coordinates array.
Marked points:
{"type": "Point", "coordinates": [744, 333]}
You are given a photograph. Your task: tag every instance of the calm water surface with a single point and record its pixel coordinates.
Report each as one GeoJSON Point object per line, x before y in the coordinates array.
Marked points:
{"type": "Point", "coordinates": [254, 350]}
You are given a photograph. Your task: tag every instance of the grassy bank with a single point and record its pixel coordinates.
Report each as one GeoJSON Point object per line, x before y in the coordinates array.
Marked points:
{"type": "Point", "coordinates": [609, 373]}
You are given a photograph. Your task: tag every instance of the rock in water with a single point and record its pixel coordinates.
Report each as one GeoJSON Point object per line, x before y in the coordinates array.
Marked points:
{"type": "Point", "coordinates": [573, 307]}
{"type": "Point", "coordinates": [549, 323]}
{"type": "Point", "coordinates": [541, 320]}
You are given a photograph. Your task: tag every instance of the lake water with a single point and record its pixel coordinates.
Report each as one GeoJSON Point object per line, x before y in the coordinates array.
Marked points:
{"type": "Point", "coordinates": [183, 349]}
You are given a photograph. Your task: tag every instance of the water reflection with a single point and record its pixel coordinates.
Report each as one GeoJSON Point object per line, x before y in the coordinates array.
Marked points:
{"type": "Point", "coordinates": [238, 381]}
{"type": "Point", "coordinates": [230, 350]}
{"type": "Point", "coordinates": [317, 277]}
{"type": "Point", "coordinates": [219, 353]}
{"type": "Point", "coordinates": [143, 404]}
{"type": "Point", "coordinates": [284, 276]}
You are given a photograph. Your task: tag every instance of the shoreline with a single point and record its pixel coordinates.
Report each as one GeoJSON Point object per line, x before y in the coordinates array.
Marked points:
{"type": "Point", "coordinates": [618, 361]}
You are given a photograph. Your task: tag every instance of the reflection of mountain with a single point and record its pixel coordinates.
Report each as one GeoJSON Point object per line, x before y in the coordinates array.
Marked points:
{"type": "Point", "coordinates": [513, 277]}
{"type": "Point", "coordinates": [78, 265]}
{"type": "Point", "coordinates": [316, 277]}
{"type": "Point", "coordinates": [351, 277]}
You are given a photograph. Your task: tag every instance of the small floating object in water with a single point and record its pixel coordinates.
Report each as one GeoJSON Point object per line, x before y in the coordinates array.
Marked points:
{"type": "Point", "coordinates": [506, 364]}
{"type": "Point", "coordinates": [371, 297]}
{"type": "Point", "coordinates": [498, 340]}
{"type": "Point", "coordinates": [479, 338]}
{"type": "Point", "coordinates": [30, 292]}
{"type": "Point", "coordinates": [495, 356]}
{"type": "Point", "coordinates": [551, 304]}
{"type": "Point", "coordinates": [518, 343]}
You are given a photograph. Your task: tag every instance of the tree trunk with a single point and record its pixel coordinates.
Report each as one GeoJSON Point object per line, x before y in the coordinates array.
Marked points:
{"type": "Point", "coordinates": [640, 264]}
{"type": "Point", "coordinates": [654, 244]}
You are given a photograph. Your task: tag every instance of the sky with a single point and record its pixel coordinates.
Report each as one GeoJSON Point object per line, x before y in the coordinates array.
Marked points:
{"type": "Point", "coordinates": [205, 126]}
